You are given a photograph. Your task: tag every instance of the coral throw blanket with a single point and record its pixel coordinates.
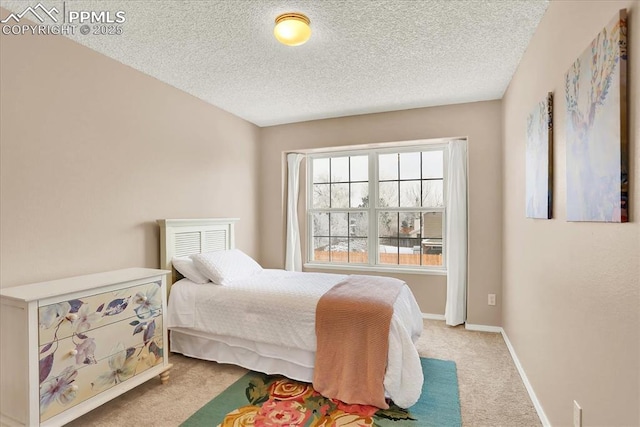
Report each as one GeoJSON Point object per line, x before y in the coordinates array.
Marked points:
{"type": "Point", "coordinates": [352, 331]}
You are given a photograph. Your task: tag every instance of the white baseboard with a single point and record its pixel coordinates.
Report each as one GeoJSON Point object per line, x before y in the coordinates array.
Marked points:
{"type": "Point", "coordinates": [433, 316]}
{"type": "Point", "coordinates": [483, 328]}
{"type": "Point", "coordinates": [536, 403]}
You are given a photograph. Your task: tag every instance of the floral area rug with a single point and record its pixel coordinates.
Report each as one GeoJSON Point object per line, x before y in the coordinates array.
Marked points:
{"type": "Point", "coordinates": [270, 400]}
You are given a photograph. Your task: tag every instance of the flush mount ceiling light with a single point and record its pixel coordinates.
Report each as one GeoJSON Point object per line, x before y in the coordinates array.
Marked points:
{"type": "Point", "coordinates": [292, 29]}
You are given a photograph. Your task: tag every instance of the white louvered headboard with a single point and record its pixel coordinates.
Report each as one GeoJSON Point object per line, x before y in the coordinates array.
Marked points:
{"type": "Point", "coordinates": [183, 237]}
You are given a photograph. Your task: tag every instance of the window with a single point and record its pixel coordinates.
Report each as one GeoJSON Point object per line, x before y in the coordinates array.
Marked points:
{"type": "Point", "coordinates": [378, 208]}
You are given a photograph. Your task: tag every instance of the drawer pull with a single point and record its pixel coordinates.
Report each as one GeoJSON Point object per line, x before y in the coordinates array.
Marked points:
{"type": "Point", "coordinates": [143, 298]}
{"type": "Point", "coordinates": [73, 352]}
{"type": "Point", "coordinates": [72, 316]}
{"type": "Point", "coordinates": [144, 327]}
{"type": "Point", "coordinates": [74, 387]}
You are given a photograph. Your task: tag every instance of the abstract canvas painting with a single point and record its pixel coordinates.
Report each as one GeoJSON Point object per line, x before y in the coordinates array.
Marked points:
{"type": "Point", "coordinates": [597, 128]}
{"type": "Point", "coordinates": [539, 158]}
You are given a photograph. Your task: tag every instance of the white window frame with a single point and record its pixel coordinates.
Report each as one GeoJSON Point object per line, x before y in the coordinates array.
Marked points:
{"type": "Point", "coordinates": [373, 211]}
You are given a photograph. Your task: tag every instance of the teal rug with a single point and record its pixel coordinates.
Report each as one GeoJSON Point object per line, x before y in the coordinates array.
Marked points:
{"type": "Point", "coordinates": [270, 400]}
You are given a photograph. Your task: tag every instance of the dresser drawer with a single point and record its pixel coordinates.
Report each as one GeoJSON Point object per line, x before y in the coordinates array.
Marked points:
{"type": "Point", "coordinates": [74, 384]}
{"type": "Point", "coordinates": [79, 315]}
{"type": "Point", "coordinates": [91, 347]}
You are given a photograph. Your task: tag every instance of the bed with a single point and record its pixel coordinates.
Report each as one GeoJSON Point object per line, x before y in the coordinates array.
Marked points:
{"type": "Point", "coordinates": [266, 322]}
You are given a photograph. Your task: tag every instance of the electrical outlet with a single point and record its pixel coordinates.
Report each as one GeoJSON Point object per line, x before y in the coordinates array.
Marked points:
{"type": "Point", "coordinates": [492, 299]}
{"type": "Point", "coordinates": [577, 415]}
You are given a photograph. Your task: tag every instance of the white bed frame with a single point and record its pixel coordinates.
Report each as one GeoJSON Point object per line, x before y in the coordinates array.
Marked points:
{"type": "Point", "coordinates": [183, 237]}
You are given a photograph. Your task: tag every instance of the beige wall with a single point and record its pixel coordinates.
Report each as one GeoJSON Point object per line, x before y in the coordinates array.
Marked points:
{"type": "Point", "coordinates": [480, 122]}
{"type": "Point", "coordinates": [571, 289]}
{"type": "Point", "coordinates": [93, 152]}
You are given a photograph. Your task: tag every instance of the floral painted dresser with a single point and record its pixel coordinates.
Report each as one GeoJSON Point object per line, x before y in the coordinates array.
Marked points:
{"type": "Point", "coordinates": [70, 345]}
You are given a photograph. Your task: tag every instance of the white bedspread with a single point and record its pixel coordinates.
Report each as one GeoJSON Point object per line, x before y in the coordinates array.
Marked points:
{"type": "Point", "coordinates": [278, 307]}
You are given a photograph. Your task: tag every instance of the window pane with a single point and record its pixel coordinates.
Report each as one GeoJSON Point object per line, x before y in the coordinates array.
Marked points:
{"type": "Point", "coordinates": [339, 169]}
{"type": "Point", "coordinates": [320, 196]}
{"type": "Point", "coordinates": [358, 251]}
{"type": "Point", "coordinates": [431, 258]}
{"type": "Point", "coordinates": [388, 194]}
{"type": "Point", "coordinates": [409, 165]}
{"type": "Point", "coordinates": [411, 254]}
{"type": "Point", "coordinates": [321, 249]}
{"type": "Point", "coordinates": [360, 195]}
{"type": "Point", "coordinates": [360, 168]}
{"type": "Point", "coordinates": [358, 224]}
{"type": "Point", "coordinates": [339, 225]}
{"type": "Point", "coordinates": [410, 194]}
{"type": "Point", "coordinates": [410, 224]}
{"type": "Point", "coordinates": [339, 249]}
{"type": "Point", "coordinates": [408, 238]}
{"type": "Point", "coordinates": [388, 251]}
{"type": "Point", "coordinates": [388, 224]}
{"type": "Point", "coordinates": [320, 225]}
{"type": "Point", "coordinates": [432, 238]}
{"type": "Point", "coordinates": [432, 164]}
{"type": "Point", "coordinates": [339, 195]}
{"type": "Point", "coordinates": [320, 170]}
{"type": "Point", "coordinates": [432, 194]}
{"type": "Point", "coordinates": [387, 166]}
{"type": "Point", "coordinates": [432, 225]}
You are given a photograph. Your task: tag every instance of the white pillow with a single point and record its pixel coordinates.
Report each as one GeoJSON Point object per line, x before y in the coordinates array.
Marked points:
{"type": "Point", "coordinates": [185, 266]}
{"type": "Point", "coordinates": [224, 266]}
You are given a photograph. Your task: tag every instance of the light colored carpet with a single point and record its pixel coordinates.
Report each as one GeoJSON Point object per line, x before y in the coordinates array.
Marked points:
{"type": "Point", "coordinates": [491, 391]}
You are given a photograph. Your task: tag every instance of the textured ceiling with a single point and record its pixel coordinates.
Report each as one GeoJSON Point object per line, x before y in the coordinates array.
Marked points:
{"type": "Point", "coordinates": [364, 56]}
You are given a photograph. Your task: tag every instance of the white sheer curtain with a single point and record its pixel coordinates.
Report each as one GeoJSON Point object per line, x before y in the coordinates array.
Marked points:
{"type": "Point", "coordinates": [456, 234]}
{"type": "Point", "coordinates": [293, 260]}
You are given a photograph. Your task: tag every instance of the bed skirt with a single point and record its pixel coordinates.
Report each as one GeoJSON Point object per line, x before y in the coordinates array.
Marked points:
{"type": "Point", "coordinates": [268, 358]}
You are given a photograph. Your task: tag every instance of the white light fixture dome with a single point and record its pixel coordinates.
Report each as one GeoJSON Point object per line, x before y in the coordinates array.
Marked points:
{"type": "Point", "coordinates": [292, 29]}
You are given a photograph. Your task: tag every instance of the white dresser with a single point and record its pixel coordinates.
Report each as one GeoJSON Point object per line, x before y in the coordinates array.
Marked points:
{"type": "Point", "coordinates": [68, 346]}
